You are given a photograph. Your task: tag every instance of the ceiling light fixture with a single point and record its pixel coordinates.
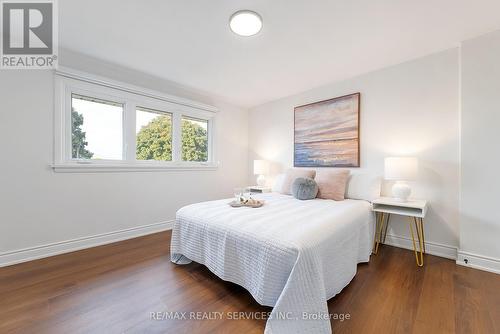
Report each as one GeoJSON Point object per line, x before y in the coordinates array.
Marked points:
{"type": "Point", "coordinates": [245, 23]}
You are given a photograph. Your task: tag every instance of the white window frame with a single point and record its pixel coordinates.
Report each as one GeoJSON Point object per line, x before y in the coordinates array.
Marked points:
{"type": "Point", "coordinates": [69, 82]}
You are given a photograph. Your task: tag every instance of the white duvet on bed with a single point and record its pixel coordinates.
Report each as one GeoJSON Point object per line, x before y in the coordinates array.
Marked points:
{"type": "Point", "coordinates": [290, 254]}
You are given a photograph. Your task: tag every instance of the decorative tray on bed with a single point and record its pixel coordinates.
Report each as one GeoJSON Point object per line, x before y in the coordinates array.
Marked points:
{"type": "Point", "coordinates": [251, 203]}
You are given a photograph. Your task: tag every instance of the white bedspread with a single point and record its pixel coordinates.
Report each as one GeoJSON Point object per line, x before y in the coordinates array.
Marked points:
{"type": "Point", "coordinates": [290, 254]}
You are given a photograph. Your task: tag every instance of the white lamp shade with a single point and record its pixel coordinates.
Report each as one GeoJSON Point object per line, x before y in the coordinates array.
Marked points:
{"type": "Point", "coordinates": [260, 167]}
{"type": "Point", "coordinates": [401, 168]}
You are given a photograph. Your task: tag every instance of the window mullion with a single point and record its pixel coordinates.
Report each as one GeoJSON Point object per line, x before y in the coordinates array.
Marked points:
{"type": "Point", "coordinates": [129, 138]}
{"type": "Point", "coordinates": [211, 141]}
{"type": "Point", "coordinates": [176, 137]}
{"type": "Point", "coordinates": [68, 107]}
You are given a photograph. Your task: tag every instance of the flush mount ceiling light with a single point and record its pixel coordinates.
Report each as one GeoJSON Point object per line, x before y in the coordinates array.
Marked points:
{"type": "Point", "coordinates": [245, 23]}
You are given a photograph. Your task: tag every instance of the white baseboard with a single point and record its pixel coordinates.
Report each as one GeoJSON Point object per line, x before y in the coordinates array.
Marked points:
{"type": "Point", "coordinates": [38, 252]}
{"type": "Point", "coordinates": [432, 248]}
{"type": "Point", "coordinates": [478, 262]}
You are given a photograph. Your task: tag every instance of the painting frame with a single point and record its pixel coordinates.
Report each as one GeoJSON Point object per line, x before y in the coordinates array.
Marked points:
{"type": "Point", "coordinates": [357, 113]}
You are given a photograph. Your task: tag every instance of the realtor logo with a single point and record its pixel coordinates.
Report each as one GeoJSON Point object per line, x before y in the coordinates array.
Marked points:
{"type": "Point", "coordinates": [28, 34]}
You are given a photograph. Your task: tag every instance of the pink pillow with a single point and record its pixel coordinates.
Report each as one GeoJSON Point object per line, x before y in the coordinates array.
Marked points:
{"type": "Point", "coordinates": [332, 183]}
{"type": "Point", "coordinates": [290, 176]}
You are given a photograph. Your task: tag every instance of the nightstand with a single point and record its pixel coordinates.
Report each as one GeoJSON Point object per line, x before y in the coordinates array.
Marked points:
{"type": "Point", "coordinates": [259, 189]}
{"type": "Point", "coordinates": [415, 210]}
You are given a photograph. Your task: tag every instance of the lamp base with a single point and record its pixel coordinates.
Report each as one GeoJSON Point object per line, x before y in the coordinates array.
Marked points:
{"type": "Point", "coordinates": [261, 180]}
{"type": "Point", "coordinates": [401, 191]}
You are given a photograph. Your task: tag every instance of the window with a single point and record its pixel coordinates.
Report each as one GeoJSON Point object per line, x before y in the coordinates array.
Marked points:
{"type": "Point", "coordinates": [153, 135]}
{"type": "Point", "coordinates": [107, 126]}
{"type": "Point", "coordinates": [194, 139]}
{"type": "Point", "coordinates": [96, 128]}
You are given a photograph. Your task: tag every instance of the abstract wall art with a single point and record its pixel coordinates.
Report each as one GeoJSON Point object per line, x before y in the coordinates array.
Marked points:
{"type": "Point", "coordinates": [327, 133]}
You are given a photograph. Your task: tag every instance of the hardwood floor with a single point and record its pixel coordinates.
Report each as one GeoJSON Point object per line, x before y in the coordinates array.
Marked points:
{"type": "Point", "coordinates": [114, 288]}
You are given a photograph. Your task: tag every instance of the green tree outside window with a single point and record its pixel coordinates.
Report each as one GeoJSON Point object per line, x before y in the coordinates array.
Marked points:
{"type": "Point", "coordinates": [79, 143]}
{"type": "Point", "coordinates": [154, 141]}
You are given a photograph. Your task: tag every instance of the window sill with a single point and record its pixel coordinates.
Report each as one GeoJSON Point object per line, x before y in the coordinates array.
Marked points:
{"type": "Point", "coordinates": [74, 167]}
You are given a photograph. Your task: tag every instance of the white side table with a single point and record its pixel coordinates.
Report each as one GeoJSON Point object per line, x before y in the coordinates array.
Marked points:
{"type": "Point", "coordinates": [415, 210]}
{"type": "Point", "coordinates": [259, 189]}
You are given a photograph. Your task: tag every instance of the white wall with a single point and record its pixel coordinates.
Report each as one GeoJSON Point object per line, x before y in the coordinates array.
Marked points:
{"type": "Point", "coordinates": [40, 207]}
{"type": "Point", "coordinates": [480, 137]}
{"type": "Point", "coordinates": [408, 109]}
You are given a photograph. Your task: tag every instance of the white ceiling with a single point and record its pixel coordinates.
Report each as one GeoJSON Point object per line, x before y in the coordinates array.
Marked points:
{"type": "Point", "coordinates": [303, 44]}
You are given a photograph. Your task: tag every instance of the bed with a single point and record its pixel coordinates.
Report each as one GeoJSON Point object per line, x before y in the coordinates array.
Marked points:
{"type": "Point", "coordinates": [290, 254]}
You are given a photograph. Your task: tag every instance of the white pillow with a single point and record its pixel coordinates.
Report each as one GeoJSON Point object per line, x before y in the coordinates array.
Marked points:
{"type": "Point", "coordinates": [278, 183]}
{"type": "Point", "coordinates": [363, 186]}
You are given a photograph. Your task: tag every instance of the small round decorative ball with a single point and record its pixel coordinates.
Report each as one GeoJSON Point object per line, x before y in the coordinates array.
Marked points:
{"type": "Point", "coordinates": [304, 188]}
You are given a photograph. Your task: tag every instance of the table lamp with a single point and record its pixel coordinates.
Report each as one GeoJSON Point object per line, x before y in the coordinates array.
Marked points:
{"type": "Point", "coordinates": [401, 170]}
{"type": "Point", "coordinates": [261, 168]}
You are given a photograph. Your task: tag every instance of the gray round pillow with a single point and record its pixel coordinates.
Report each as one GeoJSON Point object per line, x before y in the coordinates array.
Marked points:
{"type": "Point", "coordinates": [304, 188]}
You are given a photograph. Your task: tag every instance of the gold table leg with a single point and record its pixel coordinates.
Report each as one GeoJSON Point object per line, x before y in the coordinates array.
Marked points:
{"type": "Point", "coordinates": [386, 227]}
{"type": "Point", "coordinates": [419, 226]}
{"type": "Point", "coordinates": [381, 234]}
{"type": "Point", "coordinates": [423, 234]}
{"type": "Point", "coordinates": [378, 225]}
